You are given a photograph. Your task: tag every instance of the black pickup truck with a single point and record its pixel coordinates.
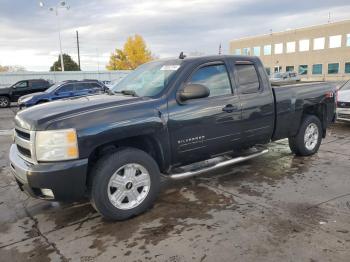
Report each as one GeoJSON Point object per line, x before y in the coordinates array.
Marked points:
{"type": "Point", "coordinates": [21, 88]}
{"type": "Point", "coordinates": [176, 118]}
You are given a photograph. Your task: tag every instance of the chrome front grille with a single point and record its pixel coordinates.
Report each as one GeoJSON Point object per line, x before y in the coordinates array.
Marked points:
{"type": "Point", "coordinates": [24, 140]}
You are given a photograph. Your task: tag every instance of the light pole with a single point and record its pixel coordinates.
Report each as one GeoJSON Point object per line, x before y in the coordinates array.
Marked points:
{"type": "Point", "coordinates": [60, 5]}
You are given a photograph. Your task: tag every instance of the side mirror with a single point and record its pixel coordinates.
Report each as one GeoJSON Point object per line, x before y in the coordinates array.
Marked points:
{"type": "Point", "coordinates": [193, 91]}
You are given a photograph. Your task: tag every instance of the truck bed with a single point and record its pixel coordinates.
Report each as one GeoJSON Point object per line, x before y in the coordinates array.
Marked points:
{"type": "Point", "coordinates": [291, 100]}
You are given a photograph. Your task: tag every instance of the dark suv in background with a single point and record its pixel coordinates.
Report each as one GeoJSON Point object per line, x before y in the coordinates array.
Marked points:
{"type": "Point", "coordinates": [21, 88]}
{"type": "Point", "coordinates": [65, 89]}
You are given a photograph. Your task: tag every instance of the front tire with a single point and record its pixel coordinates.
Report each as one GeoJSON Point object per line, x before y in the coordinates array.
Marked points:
{"type": "Point", "coordinates": [4, 102]}
{"type": "Point", "coordinates": [124, 184]}
{"type": "Point", "coordinates": [309, 137]}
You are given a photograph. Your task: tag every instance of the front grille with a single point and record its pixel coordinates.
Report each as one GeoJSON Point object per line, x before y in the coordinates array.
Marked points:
{"type": "Point", "coordinates": [343, 104]}
{"type": "Point", "coordinates": [24, 141]}
{"type": "Point", "coordinates": [24, 151]}
{"type": "Point", "coordinates": [23, 134]}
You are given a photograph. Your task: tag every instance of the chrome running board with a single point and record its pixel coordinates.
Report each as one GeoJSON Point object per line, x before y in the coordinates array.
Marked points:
{"type": "Point", "coordinates": [215, 165]}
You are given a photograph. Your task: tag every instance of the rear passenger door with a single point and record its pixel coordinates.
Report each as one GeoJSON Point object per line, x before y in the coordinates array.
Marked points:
{"type": "Point", "coordinates": [82, 89]}
{"type": "Point", "coordinates": [257, 103]}
{"type": "Point", "coordinates": [39, 85]}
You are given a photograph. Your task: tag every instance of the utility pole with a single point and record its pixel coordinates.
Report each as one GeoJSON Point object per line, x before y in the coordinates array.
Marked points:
{"type": "Point", "coordinates": [78, 50]}
{"type": "Point", "coordinates": [60, 5]}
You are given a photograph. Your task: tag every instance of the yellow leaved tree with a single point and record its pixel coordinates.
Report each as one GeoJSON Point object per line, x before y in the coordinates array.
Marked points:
{"type": "Point", "coordinates": [134, 53]}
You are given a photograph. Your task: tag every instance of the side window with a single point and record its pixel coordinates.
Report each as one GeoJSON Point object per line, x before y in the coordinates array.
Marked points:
{"type": "Point", "coordinates": [66, 88]}
{"type": "Point", "coordinates": [82, 86]}
{"type": "Point", "coordinates": [215, 77]}
{"type": "Point", "coordinates": [22, 84]}
{"type": "Point", "coordinates": [38, 84]}
{"type": "Point", "coordinates": [248, 79]}
{"type": "Point", "coordinates": [95, 85]}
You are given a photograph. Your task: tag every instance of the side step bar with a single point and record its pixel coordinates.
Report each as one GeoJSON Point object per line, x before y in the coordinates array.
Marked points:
{"type": "Point", "coordinates": [178, 176]}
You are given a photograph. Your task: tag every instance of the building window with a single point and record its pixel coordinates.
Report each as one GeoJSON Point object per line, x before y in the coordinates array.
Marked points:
{"type": "Point", "coordinates": [290, 47]}
{"type": "Point", "coordinates": [256, 50]}
{"type": "Point", "coordinates": [317, 69]}
{"type": "Point", "coordinates": [333, 68]}
{"type": "Point", "coordinates": [289, 68]}
{"type": "Point", "coordinates": [347, 68]}
{"type": "Point", "coordinates": [246, 51]}
{"type": "Point", "coordinates": [348, 40]}
{"type": "Point", "coordinates": [304, 45]}
{"type": "Point", "coordinates": [277, 69]}
{"type": "Point", "coordinates": [238, 51]}
{"type": "Point", "coordinates": [302, 69]}
{"type": "Point", "coordinates": [279, 48]}
{"type": "Point", "coordinates": [267, 50]}
{"type": "Point", "coordinates": [319, 43]}
{"type": "Point", "coordinates": [268, 70]}
{"type": "Point", "coordinates": [335, 41]}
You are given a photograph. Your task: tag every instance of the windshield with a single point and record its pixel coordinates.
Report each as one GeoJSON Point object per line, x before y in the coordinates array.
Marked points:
{"type": "Point", "coordinates": [148, 79]}
{"type": "Point", "coordinates": [53, 88]}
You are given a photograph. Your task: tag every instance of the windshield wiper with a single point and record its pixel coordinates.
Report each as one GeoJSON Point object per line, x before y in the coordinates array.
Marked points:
{"type": "Point", "coordinates": [127, 92]}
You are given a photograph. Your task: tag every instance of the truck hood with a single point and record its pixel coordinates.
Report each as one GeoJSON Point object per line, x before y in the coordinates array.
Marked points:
{"type": "Point", "coordinates": [34, 118]}
{"type": "Point", "coordinates": [344, 96]}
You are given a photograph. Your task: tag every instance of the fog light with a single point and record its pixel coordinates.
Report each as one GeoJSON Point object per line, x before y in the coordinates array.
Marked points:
{"type": "Point", "coordinates": [47, 192]}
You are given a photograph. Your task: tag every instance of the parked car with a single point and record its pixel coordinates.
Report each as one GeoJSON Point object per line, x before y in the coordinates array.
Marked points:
{"type": "Point", "coordinates": [343, 110]}
{"type": "Point", "coordinates": [12, 93]}
{"type": "Point", "coordinates": [284, 78]}
{"type": "Point", "coordinates": [176, 117]}
{"type": "Point", "coordinates": [65, 89]}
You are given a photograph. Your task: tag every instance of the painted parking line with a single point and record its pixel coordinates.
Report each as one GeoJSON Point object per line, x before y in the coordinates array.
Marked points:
{"type": "Point", "coordinates": [6, 132]}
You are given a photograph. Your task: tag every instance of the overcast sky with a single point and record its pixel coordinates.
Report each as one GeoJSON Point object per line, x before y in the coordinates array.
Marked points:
{"type": "Point", "coordinates": [29, 35]}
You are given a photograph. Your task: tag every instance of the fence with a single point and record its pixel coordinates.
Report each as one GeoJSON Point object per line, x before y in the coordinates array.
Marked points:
{"type": "Point", "coordinates": [7, 79]}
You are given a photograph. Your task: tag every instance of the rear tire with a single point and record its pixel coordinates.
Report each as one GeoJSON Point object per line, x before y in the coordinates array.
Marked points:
{"type": "Point", "coordinates": [124, 184]}
{"type": "Point", "coordinates": [4, 102]}
{"type": "Point", "coordinates": [309, 137]}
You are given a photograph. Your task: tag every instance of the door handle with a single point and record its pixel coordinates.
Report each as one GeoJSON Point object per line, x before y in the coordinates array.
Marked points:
{"type": "Point", "coordinates": [229, 108]}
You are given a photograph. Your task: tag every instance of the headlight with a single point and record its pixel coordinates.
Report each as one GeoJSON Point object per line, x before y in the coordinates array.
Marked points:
{"type": "Point", "coordinates": [56, 145]}
{"type": "Point", "coordinates": [23, 100]}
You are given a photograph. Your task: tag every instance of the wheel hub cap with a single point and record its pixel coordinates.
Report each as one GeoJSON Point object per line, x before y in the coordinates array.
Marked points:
{"type": "Point", "coordinates": [129, 186]}
{"type": "Point", "coordinates": [311, 136]}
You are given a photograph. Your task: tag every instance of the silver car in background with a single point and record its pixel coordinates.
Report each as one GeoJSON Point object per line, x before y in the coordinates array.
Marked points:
{"type": "Point", "coordinates": [343, 104]}
{"type": "Point", "coordinates": [279, 78]}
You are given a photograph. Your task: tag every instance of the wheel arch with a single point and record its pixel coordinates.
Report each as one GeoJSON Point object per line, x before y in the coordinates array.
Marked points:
{"type": "Point", "coordinates": [146, 143]}
{"type": "Point", "coordinates": [320, 111]}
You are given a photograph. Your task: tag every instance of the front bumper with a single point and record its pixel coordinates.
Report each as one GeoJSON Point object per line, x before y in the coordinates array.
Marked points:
{"type": "Point", "coordinates": [67, 180]}
{"type": "Point", "coordinates": [343, 114]}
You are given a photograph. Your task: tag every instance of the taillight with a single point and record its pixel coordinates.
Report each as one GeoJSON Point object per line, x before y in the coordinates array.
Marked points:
{"type": "Point", "coordinates": [329, 95]}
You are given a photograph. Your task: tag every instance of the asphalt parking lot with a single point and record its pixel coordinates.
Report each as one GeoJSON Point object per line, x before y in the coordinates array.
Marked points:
{"type": "Point", "coordinates": [274, 208]}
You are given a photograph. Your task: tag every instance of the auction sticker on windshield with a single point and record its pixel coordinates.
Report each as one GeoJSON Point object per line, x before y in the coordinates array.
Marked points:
{"type": "Point", "coordinates": [170, 67]}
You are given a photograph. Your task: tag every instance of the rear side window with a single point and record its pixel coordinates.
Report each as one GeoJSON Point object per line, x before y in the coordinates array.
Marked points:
{"type": "Point", "coordinates": [39, 84]}
{"type": "Point", "coordinates": [95, 85]}
{"type": "Point", "coordinates": [66, 88]}
{"type": "Point", "coordinates": [215, 77]}
{"type": "Point", "coordinates": [248, 79]}
{"type": "Point", "coordinates": [82, 86]}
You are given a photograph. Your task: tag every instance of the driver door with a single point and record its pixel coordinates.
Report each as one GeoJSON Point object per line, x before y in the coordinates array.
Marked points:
{"type": "Point", "coordinates": [204, 127]}
{"type": "Point", "coordinates": [20, 89]}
